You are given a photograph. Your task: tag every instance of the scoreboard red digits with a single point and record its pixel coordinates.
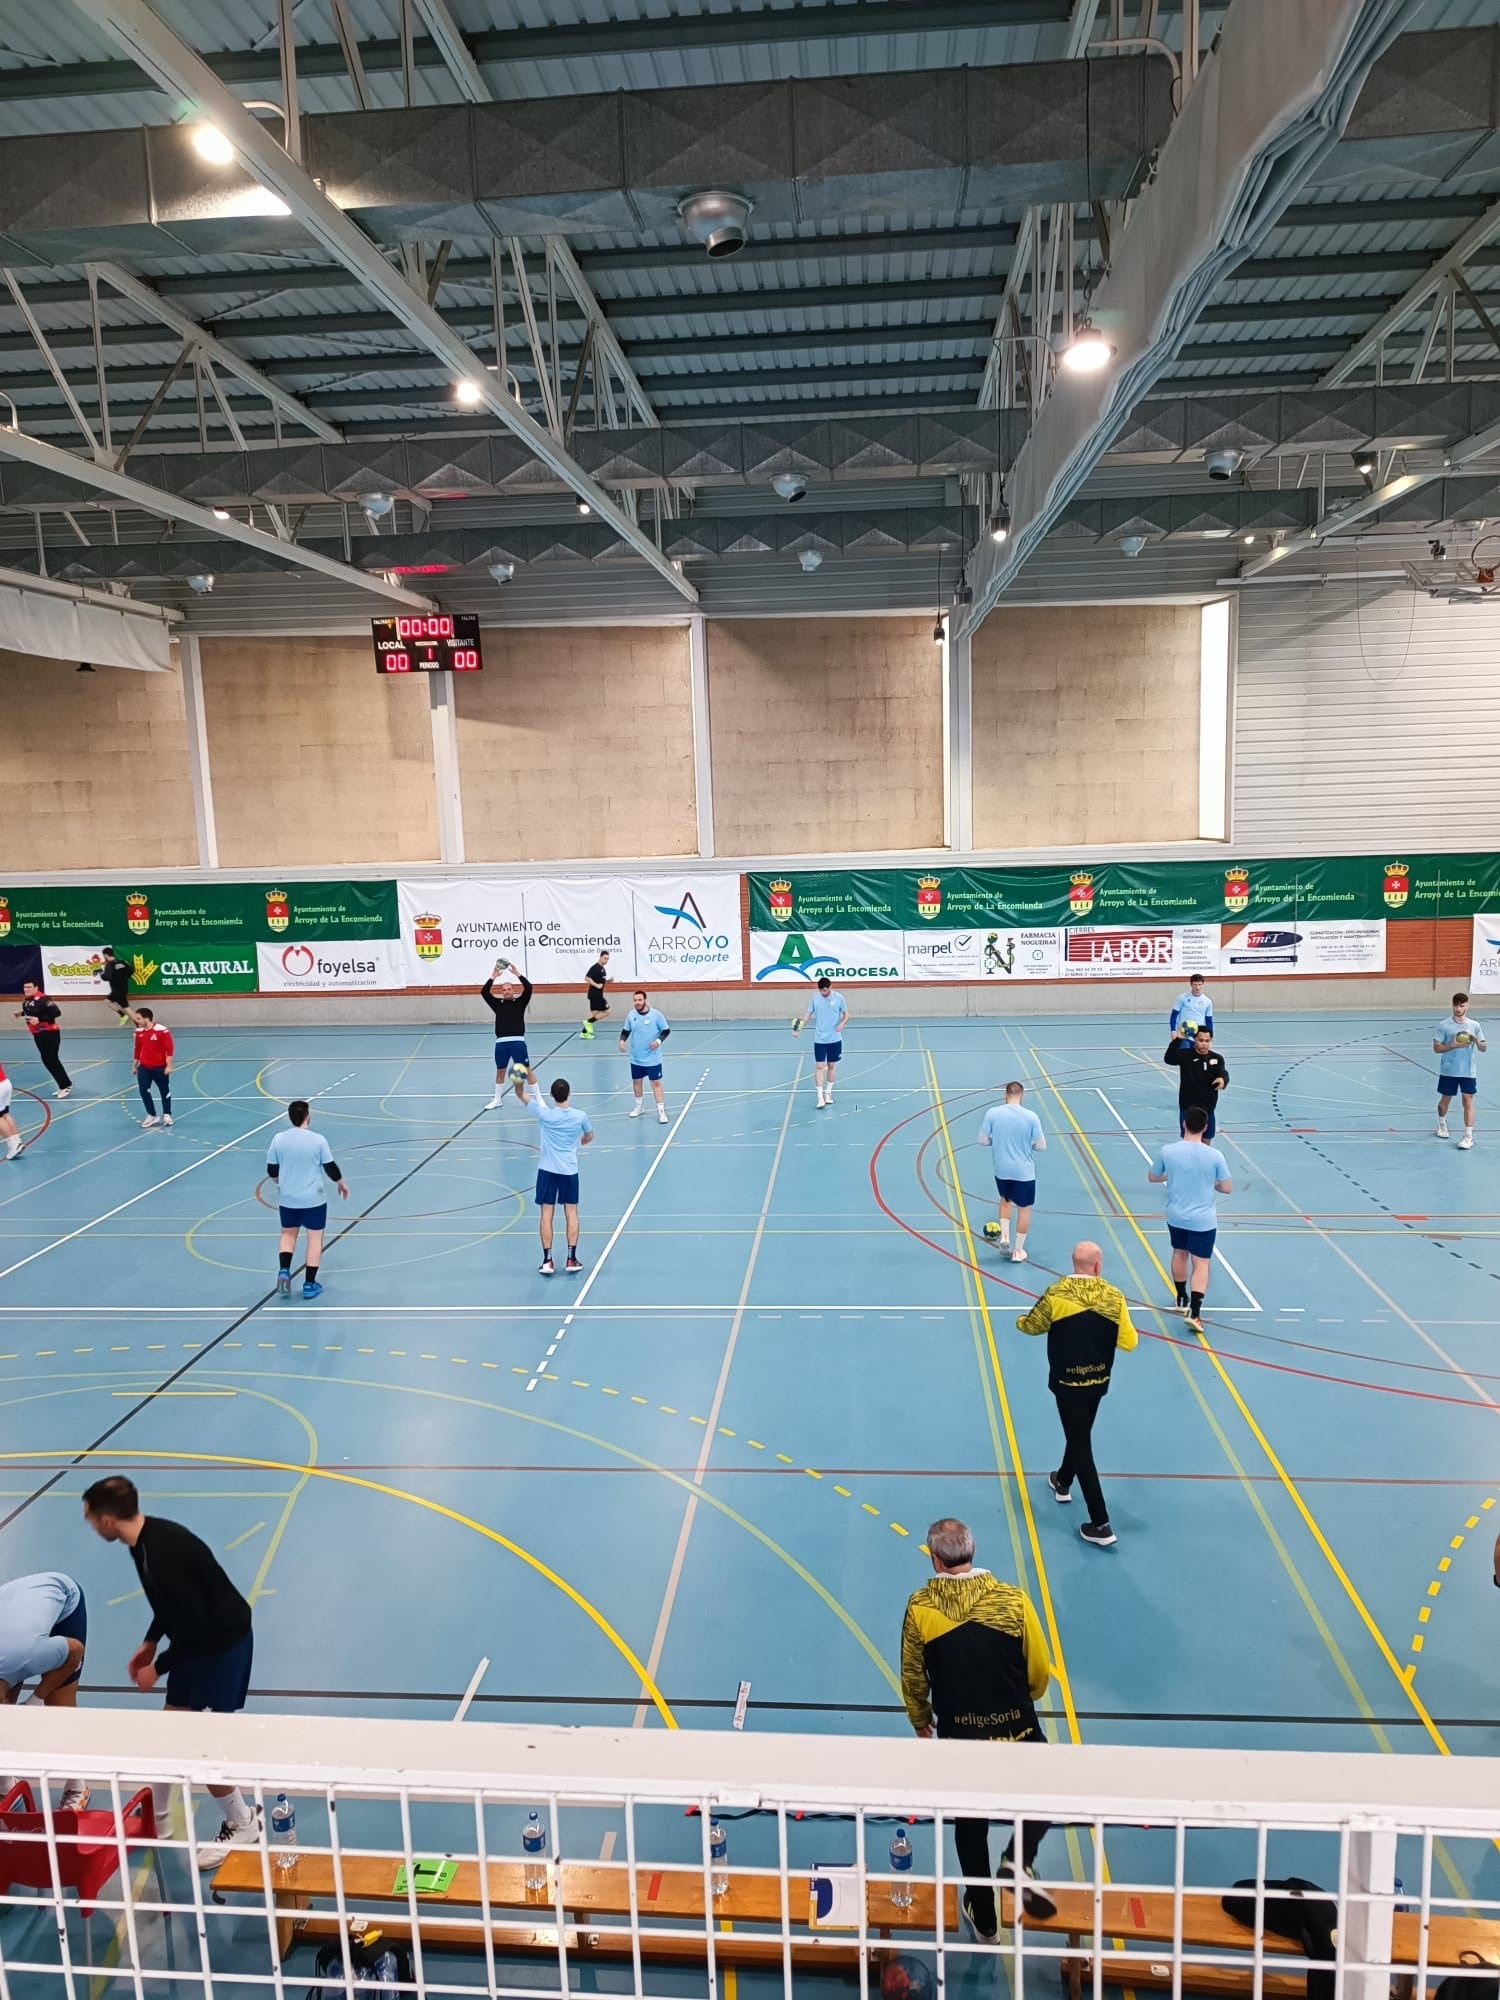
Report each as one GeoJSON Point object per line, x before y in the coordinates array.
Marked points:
{"type": "Point", "coordinates": [427, 643]}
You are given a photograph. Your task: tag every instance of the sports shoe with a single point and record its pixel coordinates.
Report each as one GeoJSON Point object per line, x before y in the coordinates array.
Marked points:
{"type": "Point", "coordinates": [821, 1103]}
{"type": "Point", "coordinates": [312, 1289]}
{"type": "Point", "coordinates": [637, 1108]}
{"type": "Point", "coordinates": [66, 1091]}
{"type": "Point", "coordinates": [587, 1031]}
{"type": "Point", "coordinates": [13, 1148]}
{"type": "Point", "coordinates": [573, 1267]}
{"type": "Point", "coordinates": [166, 1118]}
{"type": "Point", "coordinates": [1192, 1319]}
{"type": "Point", "coordinates": [661, 1114]}
{"type": "Point", "coordinates": [984, 1935]}
{"type": "Point", "coordinates": [152, 1120]}
{"type": "Point", "coordinates": [1036, 1901]}
{"type": "Point", "coordinates": [1442, 1128]}
{"type": "Point", "coordinates": [1100, 1533]}
{"type": "Point", "coordinates": [124, 1020]}
{"type": "Point", "coordinates": [495, 1102]}
{"type": "Point", "coordinates": [228, 1837]}
{"type": "Point", "coordinates": [546, 1267]}
{"type": "Point", "coordinates": [1061, 1493]}
{"type": "Point", "coordinates": [1018, 1255]}
{"type": "Point", "coordinates": [74, 1799]}
{"type": "Point", "coordinates": [1466, 1142]}
{"type": "Point", "coordinates": [284, 1284]}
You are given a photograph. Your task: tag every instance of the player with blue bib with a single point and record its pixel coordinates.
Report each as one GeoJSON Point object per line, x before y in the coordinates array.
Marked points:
{"type": "Point", "coordinates": [644, 1032]}
{"type": "Point", "coordinates": [1456, 1042]}
{"type": "Point", "coordinates": [827, 1013]}
{"type": "Point", "coordinates": [1015, 1137]}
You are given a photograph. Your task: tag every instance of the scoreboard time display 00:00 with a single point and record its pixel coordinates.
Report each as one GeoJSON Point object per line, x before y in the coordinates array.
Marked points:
{"type": "Point", "coordinates": [433, 643]}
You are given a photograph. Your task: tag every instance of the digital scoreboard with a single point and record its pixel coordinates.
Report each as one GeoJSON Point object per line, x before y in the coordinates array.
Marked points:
{"type": "Point", "coordinates": [435, 643]}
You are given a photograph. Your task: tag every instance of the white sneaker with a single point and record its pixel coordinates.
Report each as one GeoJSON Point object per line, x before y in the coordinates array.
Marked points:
{"type": "Point", "coordinates": [228, 1837]}
{"type": "Point", "coordinates": [661, 1114]}
{"type": "Point", "coordinates": [152, 1120]}
{"type": "Point", "coordinates": [1466, 1142]}
{"type": "Point", "coordinates": [13, 1148]}
{"type": "Point", "coordinates": [67, 1091]}
{"type": "Point", "coordinates": [495, 1102]}
{"type": "Point", "coordinates": [74, 1799]}
{"type": "Point", "coordinates": [1442, 1128]}
{"type": "Point", "coordinates": [637, 1108]}
{"type": "Point", "coordinates": [820, 1100]}
{"type": "Point", "coordinates": [167, 1119]}
{"type": "Point", "coordinates": [1018, 1255]}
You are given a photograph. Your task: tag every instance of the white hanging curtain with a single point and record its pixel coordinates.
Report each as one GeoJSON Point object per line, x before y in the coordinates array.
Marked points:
{"type": "Point", "coordinates": [62, 628]}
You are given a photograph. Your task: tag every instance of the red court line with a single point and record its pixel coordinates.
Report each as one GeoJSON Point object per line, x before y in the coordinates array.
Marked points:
{"type": "Point", "coordinates": [36, 1098]}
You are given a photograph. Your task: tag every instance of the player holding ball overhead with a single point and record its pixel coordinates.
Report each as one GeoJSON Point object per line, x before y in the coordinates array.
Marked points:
{"type": "Point", "coordinates": [1191, 1011]}
{"type": "Point", "coordinates": [509, 1009]}
{"type": "Point", "coordinates": [1456, 1042]}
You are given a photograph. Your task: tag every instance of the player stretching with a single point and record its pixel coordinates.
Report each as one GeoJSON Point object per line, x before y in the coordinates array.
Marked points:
{"type": "Point", "coordinates": [116, 975]}
{"type": "Point", "coordinates": [564, 1129]}
{"type": "Point", "coordinates": [509, 1010]}
{"type": "Point", "coordinates": [10, 1131]}
{"type": "Point", "coordinates": [1192, 1010]}
{"type": "Point", "coordinates": [644, 1032]}
{"type": "Point", "coordinates": [1457, 1041]}
{"type": "Point", "coordinates": [1016, 1136]}
{"type": "Point", "coordinates": [153, 1065]}
{"type": "Point", "coordinates": [593, 983]}
{"type": "Point", "coordinates": [1194, 1172]}
{"type": "Point", "coordinates": [826, 1010]}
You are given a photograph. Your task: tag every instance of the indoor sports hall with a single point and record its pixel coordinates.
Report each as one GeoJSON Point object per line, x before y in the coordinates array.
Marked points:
{"type": "Point", "coordinates": [749, 922]}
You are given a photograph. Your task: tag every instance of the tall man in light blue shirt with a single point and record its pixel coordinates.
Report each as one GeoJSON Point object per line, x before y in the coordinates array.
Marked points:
{"type": "Point", "coordinates": [1194, 1172]}
{"type": "Point", "coordinates": [1015, 1135]}
{"type": "Point", "coordinates": [562, 1129]}
{"type": "Point", "coordinates": [1456, 1042]}
{"type": "Point", "coordinates": [827, 1012]}
{"type": "Point", "coordinates": [299, 1160]}
{"type": "Point", "coordinates": [1192, 1010]}
{"type": "Point", "coordinates": [644, 1032]}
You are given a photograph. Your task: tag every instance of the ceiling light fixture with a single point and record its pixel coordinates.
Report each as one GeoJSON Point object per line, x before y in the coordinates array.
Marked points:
{"type": "Point", "coordinates": [716, 219]}
{"type": "Point", "coordinates": [789, 486]}
{"type": "Point", "coordinates": [221, 514]}
{"type": "Point", "coordinates": [1364, 462]}
{"type": "Point", "coordinates": [210, 144]}
{"type": "Point", "coordinates": [810, 559]}
{"type": "Point", "coordinates": [1000, 521]}
{"type": "Point", "coordinates": [202, 583]}
{"type": "Point", "coordinates": [1088, 351]}
{"type": "Point", "coordinates": [939, 633]}
{"type": "Point", "coordinates": [502, 572]}
{"type": "Point", "coordinates": [376, 505]}
{"type": "Point", "coordinates": [467, 393]}
{"type": "Point", "coordinates": [582, 505]}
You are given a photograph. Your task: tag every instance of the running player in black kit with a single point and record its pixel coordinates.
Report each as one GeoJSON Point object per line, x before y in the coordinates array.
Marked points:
{"type": "Point", "coordinates": [509, 1009]}
{"type": "Point", "coordinates": [593, 981]}
{"type": "Point", "coordinates": [116, 975]}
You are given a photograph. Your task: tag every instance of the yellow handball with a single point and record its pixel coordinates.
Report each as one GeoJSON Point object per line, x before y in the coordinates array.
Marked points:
{"type": "Point", "coordinates": [1463, 1040]}
{"type": "Point", "coordinates": [992, 1230]}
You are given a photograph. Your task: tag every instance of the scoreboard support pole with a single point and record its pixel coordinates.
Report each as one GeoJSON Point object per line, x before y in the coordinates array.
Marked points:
{"type": "Point", "coordinates": [200, 771]}
{"type": "Point", "coordinates": [445, 777]}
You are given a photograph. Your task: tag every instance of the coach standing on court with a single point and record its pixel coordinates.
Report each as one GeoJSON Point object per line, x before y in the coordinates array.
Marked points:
{"type": "Point", "coordinates": [42, 1015]}
{"type": "Point", "coordinates": [1202, 1076]}
{"type": "Point", "coordinates": [153, 1065]}
{"type": "Point", "coordinates": [1087, 1322]}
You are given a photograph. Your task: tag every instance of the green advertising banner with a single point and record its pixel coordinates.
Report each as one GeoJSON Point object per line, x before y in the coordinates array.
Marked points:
{"type": "Point", "coordinates": [1136, 892]}
{"type": "Point", "coordinates": [152, 920]}
{"type": "Point", "coordinates": [218, 970]}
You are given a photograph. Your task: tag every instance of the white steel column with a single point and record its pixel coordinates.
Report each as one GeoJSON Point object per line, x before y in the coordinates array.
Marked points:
{"type": "Point", "coordinates": [1365, 1935]}
{"type": "Point", "coordinates": [703, 763]}
{"type": "Point", "coordinates": [199, 769]}
{"type": "Point", "coordinates": [447, 786]}
{"type": "Point", "coordinates": [958, 741]}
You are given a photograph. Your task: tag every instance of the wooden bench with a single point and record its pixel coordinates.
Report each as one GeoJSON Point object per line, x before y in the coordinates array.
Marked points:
{"type": "Point", "coordinates": [1149, 1917]}
{"type": "Point", "coordinates": [525, 1924]}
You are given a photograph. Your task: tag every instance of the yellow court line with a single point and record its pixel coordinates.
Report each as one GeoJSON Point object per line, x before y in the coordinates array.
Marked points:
{"type": "Point", "coordinates": [1044, 1587]}
{"type": "Point", "coordinates": [1293, 1493]}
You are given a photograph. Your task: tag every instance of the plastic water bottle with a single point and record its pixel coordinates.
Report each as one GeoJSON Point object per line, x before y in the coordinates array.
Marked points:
{"type": "Point", "coordinates": [718, 1856]}
{"type": "Point", "coordinates": [534, 1848]}
{"type": "Point", "coordinates": [284, 1833]}
{"type": "Point", "coordinates": [901, 1860]}
{"type": "Point", "coordinates": [1401, 1907]}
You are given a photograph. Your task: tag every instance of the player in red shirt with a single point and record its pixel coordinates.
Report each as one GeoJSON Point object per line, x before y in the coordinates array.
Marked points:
{"type": "Point", "coordinates": [8, 1126]}
{"type": "Point", "coordinates": [153, 1065]}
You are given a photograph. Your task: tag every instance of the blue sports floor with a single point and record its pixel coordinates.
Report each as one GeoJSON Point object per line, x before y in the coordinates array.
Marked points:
{"type": "Point", "coordinates": [713, 1458]}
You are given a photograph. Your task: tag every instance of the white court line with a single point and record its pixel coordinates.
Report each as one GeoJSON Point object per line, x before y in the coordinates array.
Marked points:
{"type": "Point", "coordinates": [192, 1166]}
{"type": "Point", "coordinates": [538, 1311]}
{"type": "Point", "coordinates": [630, 1208]}
{"type": "Point", "coordinates": [472, 1689]}
{"type": "Point", "coordinates": [1254, 1304]}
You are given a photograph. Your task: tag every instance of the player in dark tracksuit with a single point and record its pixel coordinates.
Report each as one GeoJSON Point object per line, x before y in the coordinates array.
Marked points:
{"type": "Point", "coordinates": [509, 1009]}
{"type": "Point", "coordinates": [41, 1016]}
{"type": "Point", "coordinates": [1202, 1074]}
{"type": "Point", "coordinates": [116, 975]}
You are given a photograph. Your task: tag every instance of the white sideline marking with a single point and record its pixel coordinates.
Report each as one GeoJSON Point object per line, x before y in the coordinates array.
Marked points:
{"type": "Point", "coordinates": [472, 1689]}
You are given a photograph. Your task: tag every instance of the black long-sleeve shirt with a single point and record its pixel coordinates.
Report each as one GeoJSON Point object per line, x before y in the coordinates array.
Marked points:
{"type": "Point", "coordinates": [510, 1015]}
{"type": "Point", "coordinates": [40, 1013]}
{"type": "Point", "coordinates": [194, 1606]}
{"type": "Point", "coordinates": [1196, 1074]}
{"type": "Point", "coordinates": [116, 975]}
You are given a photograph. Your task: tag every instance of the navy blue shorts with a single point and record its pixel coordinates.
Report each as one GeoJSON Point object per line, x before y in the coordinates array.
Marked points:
{"type": "Point", "coordinates": [1022, 1193]}
{"type": "Point", "coordinates": [650, 1072]}
{"type": "Point", "coordinates": [215, 1681]}
{"type": "Point", "coordinates": [827, 1052]}
{"type": "Point", "coordinates": [1457, 1086]}
{"type": "Point", "coordinates": [74, 1626]}
{"type": "Point", "coordinates": [305, 1218]}
{"type": "Point", "coordinates": [511, 1050]}
{"type": "Point", "coordinates": [552, 1189]}
{"type": "Point", "coordinates": [1196, 1242]}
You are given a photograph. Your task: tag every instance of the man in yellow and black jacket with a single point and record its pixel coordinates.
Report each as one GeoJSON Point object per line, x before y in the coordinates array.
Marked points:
{"type": "Point", "coordinates": [1087, 1322]}
{"type": "Point", "coordinates": [973, 1666]}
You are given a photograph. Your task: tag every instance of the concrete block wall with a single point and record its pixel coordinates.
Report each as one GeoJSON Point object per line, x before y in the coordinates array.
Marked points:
{"type": "Point", "coordinates": [315, 758]}
{"type": "Point", "coordinates": [577, 743]}
{"type": "Point", "coordinates": [93, 768]}
{"type": "Point", "coordinates": [1085, 725]}
{"type": "Point", "coordinates": [826, 734]}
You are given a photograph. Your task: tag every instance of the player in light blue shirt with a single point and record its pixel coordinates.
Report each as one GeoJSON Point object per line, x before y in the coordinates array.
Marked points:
{"type": "Point", "coordinates": [43, 1631]}
{"type": "Point", "coordinates": [1194, 1173]}
{"type": "Point", "coordinates": [1192, 1010]}
{"type": "Point", "coordinates": [827, 1012]}
{"type": "Point", "coordinates": [1456, 1042]}
{"type": "Point", "coordinates": [301, 1163]}
{"type": "Point", "coordinates": [1015, 1136]}
{"type": "Point", "coordinates": [561, 1129]}
{"type": "Point", "coordinates": [644, 1030]}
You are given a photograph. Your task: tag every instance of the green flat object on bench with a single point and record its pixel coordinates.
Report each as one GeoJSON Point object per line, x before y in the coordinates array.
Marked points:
{"type": "Point", "coordinates": [430, 1878]}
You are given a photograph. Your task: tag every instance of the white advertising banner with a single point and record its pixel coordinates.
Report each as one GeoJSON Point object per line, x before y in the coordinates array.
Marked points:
{"type": "Point", "coordinates": [1140, 951]}
{"type": "Point", "coordinates": [369, 965]}
{"type": "Point", "coordinates": [667, 928]}
{"type": "Point", "coordinates": [1261, 950]}
{"type": "Point", "coordinates": [1003, 957]}
{"type": "Point", "coordinates": [1485, 975]}
{"type": "Point", "coordinates": [69, 968]}
{"type": "Point", "coordinates": [800, 958]}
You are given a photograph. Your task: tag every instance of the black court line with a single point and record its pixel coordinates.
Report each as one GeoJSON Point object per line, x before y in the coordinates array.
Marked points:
{"type": "Point", "coordinates": [250, 1311]}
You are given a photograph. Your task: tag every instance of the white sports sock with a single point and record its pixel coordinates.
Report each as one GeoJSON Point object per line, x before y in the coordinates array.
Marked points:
{"type": "Point", "coordinates": [1005, 1232]}
{"type": "Point", "coordinates": [1020, 1241]}
{"type": "Point", "coordinates": [236, 1812]}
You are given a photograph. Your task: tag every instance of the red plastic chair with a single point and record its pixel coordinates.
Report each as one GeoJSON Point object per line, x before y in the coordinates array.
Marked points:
{"type": "Point", "coordinates": [87, 1848]}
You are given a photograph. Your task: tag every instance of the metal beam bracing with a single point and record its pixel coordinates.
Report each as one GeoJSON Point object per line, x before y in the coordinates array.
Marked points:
{"type": "Point", "coordinates": [182, 71]}
{"type": "Point", "coordinates": [1432, 282]}
{"type": "Point", "coordinates": [454, 50]}
{"type": "Point", "coordinates": [209, 344]}
{"type": "Point", "coordinates": [103, 479]}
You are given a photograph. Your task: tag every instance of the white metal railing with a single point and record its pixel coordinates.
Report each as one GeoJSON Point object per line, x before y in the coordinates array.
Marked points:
{"type": "Point", "coordinates": [1145, 1845]}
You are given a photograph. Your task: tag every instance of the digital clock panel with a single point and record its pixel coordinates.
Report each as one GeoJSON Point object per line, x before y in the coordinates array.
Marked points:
{"type": "Point", "coordinates": [427, 643]}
